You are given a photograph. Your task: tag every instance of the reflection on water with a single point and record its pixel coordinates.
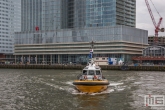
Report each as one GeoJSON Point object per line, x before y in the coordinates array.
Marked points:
{"type": "Point", "coordinates": [53, 90]}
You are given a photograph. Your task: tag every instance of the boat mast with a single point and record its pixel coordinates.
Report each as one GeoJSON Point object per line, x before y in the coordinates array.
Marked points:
{"type": "Point", "coordinates": [92, 46]}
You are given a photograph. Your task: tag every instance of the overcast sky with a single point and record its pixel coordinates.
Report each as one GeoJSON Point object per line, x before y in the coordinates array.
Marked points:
{"type": "Point", "coordinates": [143, 19]}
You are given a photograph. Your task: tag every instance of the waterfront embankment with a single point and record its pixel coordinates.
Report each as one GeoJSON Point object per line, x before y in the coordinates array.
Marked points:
{"type": "Point", "coordinates": [79, 67]}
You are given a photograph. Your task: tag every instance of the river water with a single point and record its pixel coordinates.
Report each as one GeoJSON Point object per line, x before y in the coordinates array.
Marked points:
{"type": "Point", "coordinates": [34, 89]}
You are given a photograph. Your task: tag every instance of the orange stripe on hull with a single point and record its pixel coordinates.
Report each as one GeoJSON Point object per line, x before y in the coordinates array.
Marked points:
{"type": "Point", "coordinates": [91, 89]}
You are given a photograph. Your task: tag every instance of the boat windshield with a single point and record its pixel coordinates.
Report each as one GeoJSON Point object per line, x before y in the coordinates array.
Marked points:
{"type": "Point", "coordinates": [91, 72]}
{"type": "Point", "coordinates": [98, 72]}
{"type": "Point", "coordinates": [84, 72]}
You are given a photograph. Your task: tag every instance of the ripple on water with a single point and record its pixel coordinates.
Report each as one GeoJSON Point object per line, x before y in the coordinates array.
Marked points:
{"type": "Point", "coordinates": [53, 89]}
{"type": "Point", "coordinates": [147, 83]}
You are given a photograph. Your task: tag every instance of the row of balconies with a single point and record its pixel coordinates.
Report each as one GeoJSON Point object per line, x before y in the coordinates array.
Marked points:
{"type": "Point", "coordinates": [126, 24]}
{"type": "Point", "coordinates": [123, 3]}
{"type": "Point", "coordinates": [120, 17]}
{"type": "Point", "coordinates": [125, 8]}
{"type": "Point", "coordinates": [125, 21]}
{"type": "Point", "coordinates": [125, 12]}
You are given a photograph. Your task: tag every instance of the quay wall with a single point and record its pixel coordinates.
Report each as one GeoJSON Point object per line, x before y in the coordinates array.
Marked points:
{"type": "Point", "coordinates": [79, 67]}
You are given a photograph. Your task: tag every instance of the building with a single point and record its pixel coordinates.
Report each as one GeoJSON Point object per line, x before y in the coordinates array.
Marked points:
{"type": "Point", "coordinates": [152, 55]}
{"type": "Point", "coordinates": [16, 15]}
{"type": "Point", "coordinates": [10, 22]}
{"type": "Point", "coordinates": [99, 13]}
{"type": "Point", "coordinates": [57, 31]}
{"type": "Point", "coordinates": [126, 12]}
{"type": "Point", "coordinates": [64, 14]}
{"type": "Point", "coordinates": [45, 14]}
{"type": "Point", "coordinates": [161, 40]}
{"type": "Point", "coordinates": [116, 41]}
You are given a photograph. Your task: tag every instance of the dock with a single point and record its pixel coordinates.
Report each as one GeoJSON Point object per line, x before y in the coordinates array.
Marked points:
{"type": "Point", "coordinates": [80, 67]}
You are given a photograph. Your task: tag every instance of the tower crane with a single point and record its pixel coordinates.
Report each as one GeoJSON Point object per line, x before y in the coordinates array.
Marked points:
{"type": "Point", "coordinates": [157, 26]}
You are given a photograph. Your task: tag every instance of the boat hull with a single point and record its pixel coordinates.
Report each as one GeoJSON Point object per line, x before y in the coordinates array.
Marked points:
{"type": "Point", "coordinates": [91, 86]}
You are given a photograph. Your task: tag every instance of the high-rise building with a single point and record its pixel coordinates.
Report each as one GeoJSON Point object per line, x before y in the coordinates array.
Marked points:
{"type": "Point", "coordinates": [45, 14]}
{"type": "Point", "coordinates": [60, 30]}
{"type": "Point", "coordinates": [98, 13]}
{"type": "Point", "coordinates": [31, 14]}
{"type": "Point", "coordinates": [16, 15]}
{"type": "Point", "coordinates": [10, 22]}
{"type": "Point", "coordinates": [64, 14]}
{"type": "Point", "coordinates": [126, 12]}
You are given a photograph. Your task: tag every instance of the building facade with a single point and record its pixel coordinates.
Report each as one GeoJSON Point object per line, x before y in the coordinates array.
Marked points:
{"type": "Point", "coordinates": [99, 13]}
{"type": "Point", "coordinates": [31, 14]}
{"type": "Point", "coordinates": [106, 33]}
{"type": "Point", "coordinates": [65, 28]}
{"type": "Point", "coordinates": [65, 14]}
{"type": "Point", "coordinates": [161, 40]}
{"type": "Point", "coordinates": [72, 45]}
{"type": "Point", "coordinates": [126, 12]}
{"type": "Point", "coordinates": [9, 23]}
{"type": "Point", "coordinates": [57, 53]}
{"type": "Point", "coordinates": [152, 55]}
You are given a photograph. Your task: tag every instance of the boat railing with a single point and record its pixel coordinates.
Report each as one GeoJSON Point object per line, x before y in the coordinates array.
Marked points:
{"type": "Point", "coordinates": [90, 77]}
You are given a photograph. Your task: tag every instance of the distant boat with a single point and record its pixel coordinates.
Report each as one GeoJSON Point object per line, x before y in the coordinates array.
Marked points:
{"type": "Point", "coordinates": [91, 80]}
{"type": "Point", "coordinates": [124, 66]}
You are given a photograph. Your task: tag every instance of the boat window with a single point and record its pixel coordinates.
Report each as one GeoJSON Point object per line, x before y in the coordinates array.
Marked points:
{"type": "Point", "coordinates": [98, 72]}
{"type": "Point", "coordinates": [91, 72]}
{"type": "Point", "coordinates": [84, 72]}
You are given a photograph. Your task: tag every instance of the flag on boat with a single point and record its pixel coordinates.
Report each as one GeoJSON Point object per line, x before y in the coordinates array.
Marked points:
{"type": "Point", "coordinates": [91, 53]}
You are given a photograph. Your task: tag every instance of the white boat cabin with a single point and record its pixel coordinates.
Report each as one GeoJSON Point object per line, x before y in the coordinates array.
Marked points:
{"type": "Point", "coordinates": [91, 73]}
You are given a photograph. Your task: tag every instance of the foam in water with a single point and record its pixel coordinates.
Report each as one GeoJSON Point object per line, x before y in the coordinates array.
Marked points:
{"type": "Point", "coordinates": [52, 85]}
{"type": "Point", "coordinates": [115, 84]}
{"type": "Point", "coordinates": [137, 83]}
{"type": "Point", "coordinates": [69, 83]}
{"type": "Point", "coordinates": [107, 91]}
{"type": "Point", "coordinates": [61, 88]}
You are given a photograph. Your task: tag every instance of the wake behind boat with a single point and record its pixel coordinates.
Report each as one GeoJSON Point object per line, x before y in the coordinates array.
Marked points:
{"type": "Point", "coordinates": [91, 80]}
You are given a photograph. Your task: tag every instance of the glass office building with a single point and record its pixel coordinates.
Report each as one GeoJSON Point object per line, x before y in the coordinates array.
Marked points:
{"type": "Point", "coordinates": [31, 14]}
{"type": "Point", "coordinates": [73, 45]}
{"type": "Point", "coordinates": [67, 26]}
{"type": "Point", "coordinates": [10, 14]}
{"type": "Point", "coordinates": [99, 13]}
{"type": "Point", "coordinates": [64, 14]}
{"type": "Point", "coordinates": [106, 33]}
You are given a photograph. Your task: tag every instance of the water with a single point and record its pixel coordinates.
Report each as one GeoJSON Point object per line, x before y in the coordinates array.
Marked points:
{"type": "Point", "coordinates": [53, 90]}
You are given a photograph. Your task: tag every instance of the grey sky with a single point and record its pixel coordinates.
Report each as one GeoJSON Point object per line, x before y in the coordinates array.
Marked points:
{"type": "Point", "coordinates": [143, 19]}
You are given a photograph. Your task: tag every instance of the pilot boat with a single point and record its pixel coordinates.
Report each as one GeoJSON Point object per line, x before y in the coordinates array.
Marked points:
{"type": "Point", "coordinates": [91, 80]}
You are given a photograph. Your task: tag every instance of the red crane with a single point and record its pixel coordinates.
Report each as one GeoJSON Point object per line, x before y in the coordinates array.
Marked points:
{"type": "Point", "coordinates": [157, 26]}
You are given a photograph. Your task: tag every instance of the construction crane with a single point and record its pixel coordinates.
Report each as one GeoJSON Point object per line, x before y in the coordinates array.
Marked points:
{"type": "Point", "coordinates": [157, 26]}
